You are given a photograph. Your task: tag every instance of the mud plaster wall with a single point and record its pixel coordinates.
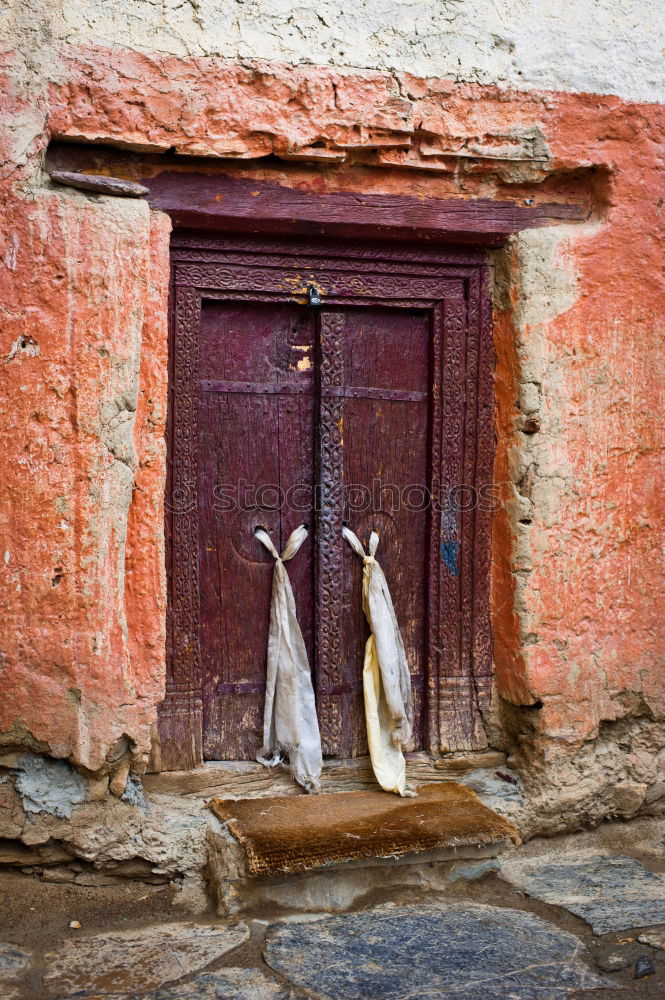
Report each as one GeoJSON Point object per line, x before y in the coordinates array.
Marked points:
{"type": "Point", "coordinates": [82, 552]}
{"type": "Point", "coordinates": [579, 313]}
{"type": "Point", "coordinates": [601, 46]}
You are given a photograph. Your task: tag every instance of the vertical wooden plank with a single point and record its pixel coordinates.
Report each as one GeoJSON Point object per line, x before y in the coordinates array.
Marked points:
{"type": "Point", "coordinates": [459, 719]}
{"type": "Point", "coordinates": [180, 714]}
{"type": "Point", "coordinates": [256, 440]}
{"type": "Point", "coordinates": [475, 737]}
{"type": "Point", "coordinates": [454, 684]}
{"type": "Point", "coordinates": [235, 570]}
{"type": "Point", "coordinates": [484, 444]}
{"type": "Point", "coordinates": [434, 637]}
{"type": "Point", "coordinates": [329, 541]}
{"type": "Point", "coordinates": [387, 475]}
{"type": "Point", "coordinates": [296, 476]}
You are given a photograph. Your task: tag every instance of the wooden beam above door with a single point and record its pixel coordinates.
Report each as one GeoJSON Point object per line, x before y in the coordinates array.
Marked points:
{"type": "Point", "coordinates": [220, 202]}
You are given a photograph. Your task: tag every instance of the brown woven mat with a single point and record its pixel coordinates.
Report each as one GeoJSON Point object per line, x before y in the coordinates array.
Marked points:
{"type": "Point", "coordinates": [296, 833]}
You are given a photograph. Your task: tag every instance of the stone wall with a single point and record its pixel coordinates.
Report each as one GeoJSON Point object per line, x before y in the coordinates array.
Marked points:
{"type": "Point", "coordinates": [433, 106]}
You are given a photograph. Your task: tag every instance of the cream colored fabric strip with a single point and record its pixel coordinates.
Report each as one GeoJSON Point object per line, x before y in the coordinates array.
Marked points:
{"type": "Point", "coordinates": [386, 678]}
{"type": "Point", "coordinates": [290, 725]}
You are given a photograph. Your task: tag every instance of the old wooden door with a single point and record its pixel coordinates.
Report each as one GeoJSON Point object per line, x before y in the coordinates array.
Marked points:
{"type": "Point", "coordinates": [371, 406]}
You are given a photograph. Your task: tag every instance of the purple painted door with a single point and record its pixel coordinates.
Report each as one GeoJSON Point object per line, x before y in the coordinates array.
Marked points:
{"type": "Point", "coordinates": [367, 409]}
{"type": "Point", "coordinates": [266, 419]}
{"type": "Point", "coordinates": [374, 375]}
{"type": "Point", "coordinates": [255, 448]}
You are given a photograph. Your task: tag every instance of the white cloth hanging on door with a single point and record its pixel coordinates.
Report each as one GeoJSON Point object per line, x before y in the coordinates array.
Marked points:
{"type": "Point", "coordinates": [386, 678]}
{"type": "Point", "coordinates": [290, 725]}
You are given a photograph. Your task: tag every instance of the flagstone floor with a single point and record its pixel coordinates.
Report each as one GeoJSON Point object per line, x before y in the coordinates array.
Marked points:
{"type": "Point", "coordinates": [577, 916]}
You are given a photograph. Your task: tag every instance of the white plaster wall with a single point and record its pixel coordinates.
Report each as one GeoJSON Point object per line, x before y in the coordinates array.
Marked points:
{"type": "Point", "coordinates": [602, 46]}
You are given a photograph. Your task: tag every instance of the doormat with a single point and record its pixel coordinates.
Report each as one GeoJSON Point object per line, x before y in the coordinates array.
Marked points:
{"type": "Point", "coordinates": [295, 834]}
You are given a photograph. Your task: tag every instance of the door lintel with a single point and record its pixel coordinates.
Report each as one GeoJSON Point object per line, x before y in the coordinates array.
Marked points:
{"type": "Point", "coordinates": [225, 203]}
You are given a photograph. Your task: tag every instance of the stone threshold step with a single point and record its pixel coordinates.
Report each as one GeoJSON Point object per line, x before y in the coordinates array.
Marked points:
{"type": "Point", "coordinates": [284, 835]}
{"type": "Point", "coordinates": [344, 839]}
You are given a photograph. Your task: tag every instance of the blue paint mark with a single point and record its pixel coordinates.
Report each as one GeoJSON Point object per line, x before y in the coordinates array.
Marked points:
{"type": "Point", "coordinates": [449, 552]}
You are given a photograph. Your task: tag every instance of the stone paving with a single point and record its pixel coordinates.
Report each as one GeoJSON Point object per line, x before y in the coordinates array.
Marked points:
{"type": "Point", "coordinates": [611, 894]}
{"type": "Point", "coordinates": [225, 984]}
{"type": "Point", "coordinates": [138, 960]}
{"type": "Point", "coordinates": [558, 923]}
{"type": "Point", "coordinates": [436, 950]}
{"type": "Point", "coordinates": [14, 966]}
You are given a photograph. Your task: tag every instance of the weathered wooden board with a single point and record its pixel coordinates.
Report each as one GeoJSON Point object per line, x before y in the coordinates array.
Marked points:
{"type": "Point", "coordinates": [261, 437]}
{"type": "Point", "coordinates": [208, 201]}
{"type": "Point", "coordinates": [382, 462]}
{"type": "Point", "coordinates": [99, 184]}
{"type": "Point", "coordinates": [245, 779]}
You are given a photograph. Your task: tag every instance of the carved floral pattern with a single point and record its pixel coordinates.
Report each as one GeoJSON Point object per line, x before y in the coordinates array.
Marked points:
{"type": "Point", "coordinates": [329, 580]}
{"type": "Point", "coordinates": [181, 711]}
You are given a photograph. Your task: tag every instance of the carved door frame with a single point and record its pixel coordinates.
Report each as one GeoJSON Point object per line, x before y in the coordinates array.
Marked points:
{"type": "Point", "coordinates": [453, 286]}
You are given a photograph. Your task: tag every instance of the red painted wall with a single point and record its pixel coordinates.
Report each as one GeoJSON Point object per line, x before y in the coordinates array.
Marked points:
{"type": "Point", "coordinates": [579, 319]}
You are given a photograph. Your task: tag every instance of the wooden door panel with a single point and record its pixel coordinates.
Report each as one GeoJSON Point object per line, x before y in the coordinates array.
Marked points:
{"type": "Point", "coordinates": [255, 441]}
{"type": "Point", "coordinates": [387, 348]}
{"type": "Point", "coordinates": [296, 424]}
{"type": "Point", "coordinates": [234, 570]}
{"type": "Point", "coordinates": [375, 388]}
{"type": "Point", "coordinates": [255, 342]}
{"type": "Point", "coordinates": [390, 380]}
{"type": "Point", "coordinates": [387, 450]}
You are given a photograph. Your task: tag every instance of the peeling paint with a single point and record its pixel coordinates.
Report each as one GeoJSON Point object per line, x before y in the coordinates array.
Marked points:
{"type": "Point", "coordinates": [11, 255]}
{"type": "Point", "coordinates": [450, 554]}
{"type": "Point", "coordinates": [49, 786]}
{"type": "Point", "coordinates": [578, 320]}
{"type": "Point", "coordinates": [23, 346]}
{"type": "Point", "coordinates": [619, 51]}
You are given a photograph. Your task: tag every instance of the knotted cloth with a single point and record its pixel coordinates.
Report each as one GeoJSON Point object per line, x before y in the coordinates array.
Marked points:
{"type": "Point", "coordinates": [290, 726]}
{"type": "Point", "coordinates": [386, 678]}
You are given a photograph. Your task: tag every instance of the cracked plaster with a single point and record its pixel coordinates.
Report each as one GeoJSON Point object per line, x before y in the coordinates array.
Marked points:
{"type": "Point", "coordinates": [601, 46]}
{"type": "Point", "coordinates": [84, 287]}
